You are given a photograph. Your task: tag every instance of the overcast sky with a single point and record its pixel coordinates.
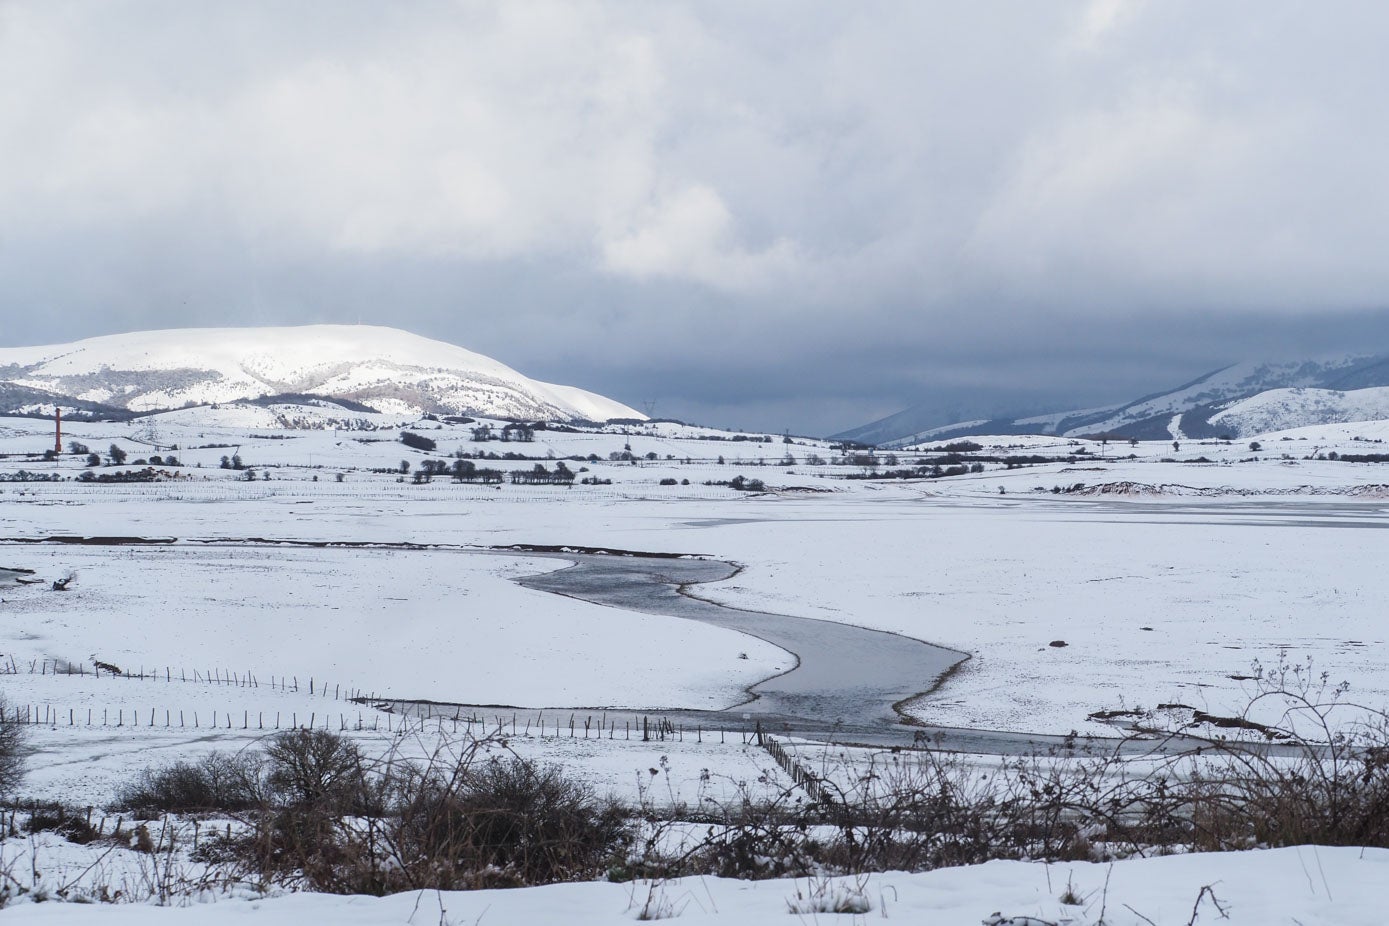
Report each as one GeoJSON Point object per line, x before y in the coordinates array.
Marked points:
{"type": "Point", "coordinates": [762, 214]}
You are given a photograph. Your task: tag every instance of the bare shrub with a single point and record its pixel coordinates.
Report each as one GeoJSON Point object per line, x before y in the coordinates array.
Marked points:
{"type": "Point", "coordinates": [1303, 765]}
{"type": "Point", "coordinates": [315, 814]}
{"type": "Point", "coordinates": [230, 783]}
{"type": "Point", "coordinates": [11, 750]}
{"type": "Point", "coordinates": [1299, 765]}
{"type": "Point", "coordinates": [295, 799]}
{"type": "Point", "coordinates": [315, 785]}
{"type": "Point", "coordinates": [457, 822]}
{"type": "Point", "coordinates": [754, 839]}
{"type": "Point", "coordinates": [72, 824]}
{"type": "Point", "coordinates": [318, 770]}
{"type": "Point", "coordinates": [909, 811]}
{"type": "Point", "coordinates": [506, 819]}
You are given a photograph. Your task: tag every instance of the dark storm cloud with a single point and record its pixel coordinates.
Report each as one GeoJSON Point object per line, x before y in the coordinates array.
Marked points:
{"type": "Point", "coordinates": [774, 215]}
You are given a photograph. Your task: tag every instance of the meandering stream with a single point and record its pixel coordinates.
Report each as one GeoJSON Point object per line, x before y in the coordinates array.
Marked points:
{"type": "Point", "coordinates": [844, 674]}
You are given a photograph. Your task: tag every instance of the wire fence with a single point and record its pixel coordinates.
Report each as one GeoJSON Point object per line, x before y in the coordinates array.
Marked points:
{"type": "Point", "coordinates": [230, 678]}
{"type": "Point", "coordinates": [374, 712]}
{"type": "Point", "coordinates": [574, 726]}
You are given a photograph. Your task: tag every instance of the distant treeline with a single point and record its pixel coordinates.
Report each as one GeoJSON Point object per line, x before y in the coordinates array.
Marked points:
{"type": "Point", "coordinates": [1359, 457]}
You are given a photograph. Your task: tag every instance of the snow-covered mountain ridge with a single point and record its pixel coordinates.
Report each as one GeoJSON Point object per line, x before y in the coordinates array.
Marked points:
{"type": "Point", "coordinates": [1220, 388]}
{"type": "Point", "coordinates": [385, 368]}
{"type": "Point", "coordinates": [1197, 409]}
{"type": "Point", "coordinates": [1284, 409]}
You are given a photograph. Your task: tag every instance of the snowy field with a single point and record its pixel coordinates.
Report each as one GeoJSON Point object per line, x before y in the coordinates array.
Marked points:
{"type": "Point", "coordinates": [1156, 604]}
{"type": "Point", "coordinates": [1160, 597]}
{"type": "Point", "coordinates": [1166, 575]}
{"type": "Point", "coordinates": [423, 625]}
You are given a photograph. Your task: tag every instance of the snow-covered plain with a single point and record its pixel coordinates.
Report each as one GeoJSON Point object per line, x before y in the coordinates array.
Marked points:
{"type": "Point", "coordinates": [1164, 587]}
{"type": "Point", "coordinates": [1159, 595]}
{"type": "Point", "coordinates": [429, 625]}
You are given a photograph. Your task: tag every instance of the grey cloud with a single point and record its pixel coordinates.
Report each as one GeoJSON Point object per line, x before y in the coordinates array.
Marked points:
{"type": "Point", "coordinates": [775, 215]}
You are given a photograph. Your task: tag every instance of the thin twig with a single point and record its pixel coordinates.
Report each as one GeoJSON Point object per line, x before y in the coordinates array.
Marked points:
{"type": "Point", "coordinates": [1139, 915]}
{"type": "Point", "coordinates": [1207, 889]}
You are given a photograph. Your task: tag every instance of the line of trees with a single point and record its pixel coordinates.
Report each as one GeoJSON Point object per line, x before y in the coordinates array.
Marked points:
{"type": "Point", "coordinates": [417, 441]}
{"type": "Point", "coordinates": [468, 471]}
{"type": "Point", "coordinates": [560, 475]}
{"type": "Point", "coordinates": [515, 431]}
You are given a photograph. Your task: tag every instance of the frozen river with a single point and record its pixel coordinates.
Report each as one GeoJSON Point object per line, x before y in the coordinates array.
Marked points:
{"type": "Point", "coordinates": [844, 674]}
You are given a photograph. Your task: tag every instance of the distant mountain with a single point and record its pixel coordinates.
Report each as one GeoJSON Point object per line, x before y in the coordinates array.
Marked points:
{"type": "Point", "coordinates": [370, 367]}
{"type": "Point", "coordinates": [1202, 408]}
{"type": "Point", "coordinates": [25, 400]}
{"type": "Point", "coordinates": [1282, 409]}
{"type": "Point", "coordinates": [917, 424]}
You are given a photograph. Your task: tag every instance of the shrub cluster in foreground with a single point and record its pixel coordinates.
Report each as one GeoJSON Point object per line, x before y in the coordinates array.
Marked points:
{"type": "Point", "coordinates": [314, 813]}
{"type": "Point", "coordinates": [317, 814]}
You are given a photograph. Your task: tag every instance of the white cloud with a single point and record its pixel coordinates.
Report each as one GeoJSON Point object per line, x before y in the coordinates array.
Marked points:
{"type": "Point", "coordinates": [1102, 17]}
{"type": "Point", "coordinates": [521, 130]}
{"type": "Point", "coordinates": [691, 235]}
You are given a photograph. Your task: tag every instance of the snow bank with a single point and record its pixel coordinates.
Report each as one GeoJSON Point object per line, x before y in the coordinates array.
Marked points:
{"type": "Point", "coordinates": [1301, 885]}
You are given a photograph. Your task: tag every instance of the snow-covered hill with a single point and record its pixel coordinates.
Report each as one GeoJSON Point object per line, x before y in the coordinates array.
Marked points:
{"type": "Point", "coordinates": [390, 370]}
{"type": "Point", "coordinates": [1284, 409]}
{"type": "Point", "coordinates": [1218, 388]}
{"type": "Point", "coordinates": [1192, 407]}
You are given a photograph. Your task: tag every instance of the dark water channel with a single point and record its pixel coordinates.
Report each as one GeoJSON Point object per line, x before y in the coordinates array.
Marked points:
{"type": "Point", "coordinates": [848, 681]}
{"type": "Point", "coordinates": [844, 674]}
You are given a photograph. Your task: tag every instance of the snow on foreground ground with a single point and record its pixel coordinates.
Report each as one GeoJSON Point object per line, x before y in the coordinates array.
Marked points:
{"type": "Point", "coordinates": [1307, 886]}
